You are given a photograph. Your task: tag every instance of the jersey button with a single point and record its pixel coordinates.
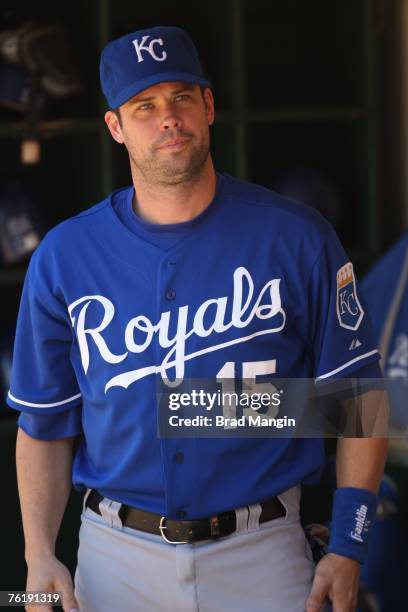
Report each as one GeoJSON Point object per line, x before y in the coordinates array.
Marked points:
{"type": "Point", "coordinates": [170, 294]}
{"type": "Point", "coordinates": [179, 458]}
{"type": "Point", "coordinates": [182, 514]}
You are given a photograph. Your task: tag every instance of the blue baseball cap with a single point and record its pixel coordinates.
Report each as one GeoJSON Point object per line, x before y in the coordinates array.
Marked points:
{"type": "Point", "coordinates": [144, 58]}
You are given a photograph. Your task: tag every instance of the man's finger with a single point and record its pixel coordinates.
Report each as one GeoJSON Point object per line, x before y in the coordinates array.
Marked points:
{"type": "Point", "coordinates": [316, 600]}
{"type": "Point", "coordinates": [69, 603]}
{"type": "Point", "coordinates": [341, 605]}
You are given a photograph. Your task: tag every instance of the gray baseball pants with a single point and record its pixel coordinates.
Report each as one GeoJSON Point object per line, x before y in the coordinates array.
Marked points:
{"type": "Point", "coordinates": [263, 567]}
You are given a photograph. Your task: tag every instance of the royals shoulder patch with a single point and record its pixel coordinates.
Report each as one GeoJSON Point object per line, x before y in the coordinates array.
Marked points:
{"type": "Point", "coordinates": [349, 310]}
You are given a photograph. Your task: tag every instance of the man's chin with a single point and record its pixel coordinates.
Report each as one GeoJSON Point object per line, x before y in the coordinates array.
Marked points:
{"type": "Point", "coordinates": [176, 176]}
{"type": "Point", "coordinates": [176, 169]}
{"type": "Point", "coordinates": [178, 173]}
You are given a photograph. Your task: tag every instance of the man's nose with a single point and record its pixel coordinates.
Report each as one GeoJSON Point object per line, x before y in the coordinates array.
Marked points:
{"type": "Point", "coordinates": [171, 122]}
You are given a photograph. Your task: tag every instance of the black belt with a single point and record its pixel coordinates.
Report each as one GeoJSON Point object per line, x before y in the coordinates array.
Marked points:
{"type": "Point", "coordinates": [185, 532]}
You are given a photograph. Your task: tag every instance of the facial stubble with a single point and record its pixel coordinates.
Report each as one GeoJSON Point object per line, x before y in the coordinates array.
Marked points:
{"type": "Point", "coordinates": [172, 167]}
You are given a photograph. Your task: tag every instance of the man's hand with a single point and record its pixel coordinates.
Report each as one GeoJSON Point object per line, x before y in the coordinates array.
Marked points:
{"type": "Point", "coordinates": [337, 578]}
{"type": "Point", "coordinates": [48, 575]}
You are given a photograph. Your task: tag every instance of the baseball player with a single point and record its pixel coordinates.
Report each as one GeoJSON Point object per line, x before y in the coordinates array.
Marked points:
{"type": "Point", "coordinates": [187, 274]}
{"type": "Point", "coordinates": [388, 302]}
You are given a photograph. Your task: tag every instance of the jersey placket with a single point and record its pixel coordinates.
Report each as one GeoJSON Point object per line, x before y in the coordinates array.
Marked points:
{"type": "Point", "coordinates": [177, 453]}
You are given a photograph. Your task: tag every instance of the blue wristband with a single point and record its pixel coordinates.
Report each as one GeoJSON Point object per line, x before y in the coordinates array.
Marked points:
{"type": "Point", "coordinates": [353, 514]}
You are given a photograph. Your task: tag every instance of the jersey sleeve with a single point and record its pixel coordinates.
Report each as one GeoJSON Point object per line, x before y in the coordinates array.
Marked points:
{"type": "Point", "coordinates": [42, 377]}
{"type": "Point", "coordinates": [52, 426]}
{"type": "Point", "coordinates": [341, 338]}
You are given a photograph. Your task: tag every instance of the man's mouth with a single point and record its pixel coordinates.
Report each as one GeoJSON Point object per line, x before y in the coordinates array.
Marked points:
{"type": "Point", "coordinates": [175, 143]}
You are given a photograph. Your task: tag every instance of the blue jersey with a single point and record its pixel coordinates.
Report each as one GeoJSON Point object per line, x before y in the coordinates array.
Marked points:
{"type": "Point", "coordinates": [255, 280]}
{"type": "Point", "coordinates": [385, 288]}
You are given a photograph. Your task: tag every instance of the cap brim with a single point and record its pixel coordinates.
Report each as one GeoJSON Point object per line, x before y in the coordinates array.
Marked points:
{"type": "Point", "coordinates": [132, 90]}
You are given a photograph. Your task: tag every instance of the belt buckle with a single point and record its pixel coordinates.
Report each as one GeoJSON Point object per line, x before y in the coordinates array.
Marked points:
{"type": "Point", "coordinates": [163, 527]}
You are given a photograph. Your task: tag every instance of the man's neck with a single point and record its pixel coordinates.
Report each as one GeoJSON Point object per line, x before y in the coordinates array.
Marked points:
{"type": "Point", "coordinates": [169, 204]}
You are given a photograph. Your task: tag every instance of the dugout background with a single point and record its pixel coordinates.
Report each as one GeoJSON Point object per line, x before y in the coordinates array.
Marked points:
{"type": "Point", "coordinates": [316, 83]}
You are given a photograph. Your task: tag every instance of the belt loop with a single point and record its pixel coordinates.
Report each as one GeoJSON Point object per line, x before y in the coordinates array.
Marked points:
{"type": "Point", "coordinates": [110, 512]}
{"type": "Point", "coordinates": [242, 519]}
{"type": "Point", "coordinates": [254, 516]}
{"type": "Point", "coordinates": [86, 495]}
{"type": "Point", "coordinates": [290, 500]}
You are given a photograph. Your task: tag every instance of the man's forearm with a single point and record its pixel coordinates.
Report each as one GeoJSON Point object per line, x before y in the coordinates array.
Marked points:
{"type": "Point", "coordinates": [360, 462]}
{"type": "Point", "coordinates": [44, 484]}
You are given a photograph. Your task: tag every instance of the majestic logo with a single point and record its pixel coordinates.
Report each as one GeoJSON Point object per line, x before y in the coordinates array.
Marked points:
{"type": "Point", "coordinates": [349, 310]}
{"type": "Point", "coordinates": [142, 46]}
{"type": "Point", "coordinates": [355, 344]}
{"type": "Point", "coordinates": [140, 331]}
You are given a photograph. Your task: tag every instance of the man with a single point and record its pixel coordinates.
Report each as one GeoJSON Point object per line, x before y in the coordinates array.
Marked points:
{"type": "Point", "coordinates": [389, 311]}
{"type": "Point", "coordinates": [187, 274]}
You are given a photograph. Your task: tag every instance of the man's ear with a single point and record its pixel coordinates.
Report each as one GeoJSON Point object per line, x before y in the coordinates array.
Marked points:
{"type": "Point", "coordinates": [112, 121]}
{"type": "Point", "coordinates": [209, 105]}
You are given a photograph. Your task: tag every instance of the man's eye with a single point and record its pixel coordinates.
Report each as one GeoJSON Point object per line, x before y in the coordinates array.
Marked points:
{"type": "Point", "coordinates": [182, 97]}
{"type": "Point", "coordinates": [145, 106]}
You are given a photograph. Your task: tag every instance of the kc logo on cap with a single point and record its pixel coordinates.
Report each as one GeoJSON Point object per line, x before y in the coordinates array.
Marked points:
{"type": "Point", "coordinates": [144, 58]}
{"type": "Point", "coordinates": [141, 46]}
